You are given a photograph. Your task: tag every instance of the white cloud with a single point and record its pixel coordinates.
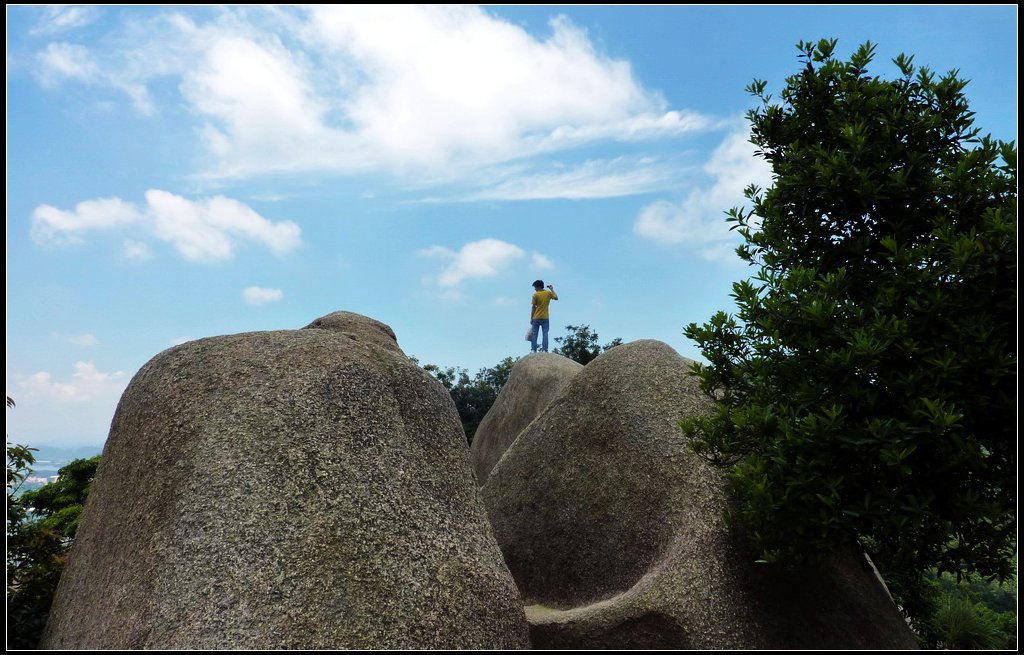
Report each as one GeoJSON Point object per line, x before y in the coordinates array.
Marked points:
{"type": "Point", "coordinates": [55, 226]}
{"type": "Point", "coordinates": [207, 230]}
{"type": "Point", "coordinates": [128, 61]}
{"type": "Point", "coordinates": [135, 251]}
{"type": "Point", "coordinates": [540, 261]}
{"type": "Point", "coordinates": [699, 219]}
{"type": "Point", "coordinates": [86, 384]}
{"type": "Point", "coordinates": [201, 230]}
{"type": "Point", "coordinates": [622, 176]}
{"type": "Point", "coordinates": [429, 84]}
{"type": "Point", "coordinates": [72, 410]}
{"type": "Point", "coordinates": [263, 113]}
{"type": "Point", "coordinates": [269, 197]}
{"type": "Point", "coordinates": [478, 259]}
{"type": "Point", "coordinates": [633, 128]}
{"type": "Point", "coordinates": [410, 90]}
{"type": "Point", "coordinates": [58, 18]}
{"type": "Point", "coordinates": [66, 61]}
{"type": "Point", "coordinates": [78, 339]}
{"type": "Point", "coordinates": [261, 295]}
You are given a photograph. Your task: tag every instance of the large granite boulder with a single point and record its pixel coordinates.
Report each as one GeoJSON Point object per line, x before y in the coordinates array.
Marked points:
{"type": "Point", "coordinates": [281, 490]}
{"type": "Point", "coordinates": [532, 383]}
{"type": "Point", "coordinates": [613, 530]}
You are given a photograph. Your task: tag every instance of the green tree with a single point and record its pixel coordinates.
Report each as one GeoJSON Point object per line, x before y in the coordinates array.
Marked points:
{"type": "Point", "coordinates": [968, 614]}
{"type": "Point", "coordinates": [495, 377]}
{"type": "Point", "coordinates": [961, 624]}
{"type": "Point", "coordinates": [59, 504]}
{"type": "Point", "coordinates": [473, 397]}
{"type": "Point", "coordinates": [41, 526]}
{"type": "Point", "coordinates": [581, 344]}
{"type": "Point", "coordinates": [866, 386]}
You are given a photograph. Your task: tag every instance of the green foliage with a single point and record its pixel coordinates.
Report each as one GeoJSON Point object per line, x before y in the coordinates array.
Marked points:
{"type": "Point", "coordinates": [59, 504]}
{"type": "Point", "coordinates": [971, 613]}
{"type": "Point", "coordinates": [997, 596]}
{"type": "Point", "coordinates": [866, 386]}
{"type": "Point", "coordinates": [41, 526]}
{"type": "Point", "coordinates": [947, 612]}
{"type": "Point", "coordinates": [581, 344]}
{"type": "Point", "coordinates": [19, 462]}
{"type": "Point", "coordinates": [473, 397]}
{"type": "Point", "coordinates": [962, 624]}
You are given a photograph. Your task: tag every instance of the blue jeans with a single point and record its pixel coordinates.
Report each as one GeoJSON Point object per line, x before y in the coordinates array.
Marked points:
{"type": "Point", "coordinates": [538, 324]}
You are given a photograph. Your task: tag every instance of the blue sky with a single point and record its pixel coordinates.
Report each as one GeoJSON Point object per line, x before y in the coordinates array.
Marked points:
{"type": "Point", "coordinates": [177, 173]}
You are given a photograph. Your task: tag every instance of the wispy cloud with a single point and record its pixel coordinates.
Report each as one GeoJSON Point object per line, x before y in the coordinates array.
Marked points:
{"type": "Point", "coordinates": [269, 197]}
{"type": "Point", "coordinates": [605, 178]}
{"type": "Point", "coordinates": [136, 251]}
{"type": "Point", "coordinates": [405, 90]}
{"type": "Point", "coordinates": [60, 63]}
{"type": "Point", "coordinates": [261, 295]}
{"type": "Point", "coordinates": [698, 220]}
{"type": "Point", "coordinates": [540, 261]}
{"type": "Point", "coordinates": [85, 340]}
{"type": "Point", "coordinates": [204, 230]}
{"type": "Point", "coordinates": [66, 61]}
{"type": "Point", "coordinates": [632, 128]}
{"type": "Point", "coordinates": [58, 18]}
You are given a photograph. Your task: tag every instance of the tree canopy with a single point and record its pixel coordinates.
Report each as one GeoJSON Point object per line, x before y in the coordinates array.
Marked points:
{"type": "Point", "coordinates": [473, 397]}
{"type": "Point", "coordinates": [41, 527]}
{"type": "Point", "coordinates": [866, 383]}
{"type": "Point", "coordinates": [581, 344]}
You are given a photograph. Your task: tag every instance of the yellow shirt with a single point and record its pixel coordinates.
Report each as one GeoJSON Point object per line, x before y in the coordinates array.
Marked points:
{"type": "Point", "coordinates": [541, 299]}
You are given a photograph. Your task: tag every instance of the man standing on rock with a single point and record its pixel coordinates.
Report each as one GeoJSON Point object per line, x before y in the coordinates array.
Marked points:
{"type": "Point", "coordinates": [539, 313]}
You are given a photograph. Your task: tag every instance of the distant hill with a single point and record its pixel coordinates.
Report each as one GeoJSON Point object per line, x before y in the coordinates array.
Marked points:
{"type": "Point", "coordinates": [49, 460]}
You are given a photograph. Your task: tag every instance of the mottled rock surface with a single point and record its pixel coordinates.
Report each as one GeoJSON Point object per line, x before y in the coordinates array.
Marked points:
{"type": "Point", "coordinates": [613, 530]}
{"type": "Point", "coordinates": [280, 490]}
{"type": "Point", "coordinates": [532, 383]}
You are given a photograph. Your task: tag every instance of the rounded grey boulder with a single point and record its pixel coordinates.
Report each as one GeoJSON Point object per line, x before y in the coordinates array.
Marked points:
{"type": "Point", "coordinates": [283, 490]}
{"type": "Point", "coordinates": [532, 383]}
{"type": "Point", "coordinates": [357, 327]}
{"type": "Point", "coordinates": [612, 529]}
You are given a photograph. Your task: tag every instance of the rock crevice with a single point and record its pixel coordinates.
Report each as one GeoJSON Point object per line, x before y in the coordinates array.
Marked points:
{"type": "Point", "coordinates": [612, 529]}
